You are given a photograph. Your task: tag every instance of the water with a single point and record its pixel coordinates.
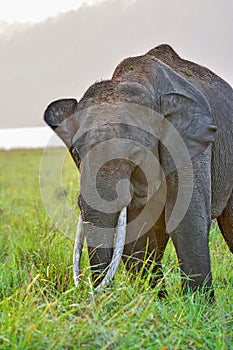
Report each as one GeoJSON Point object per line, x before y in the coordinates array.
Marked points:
{"type": "Point", "coordinates": [32, 137]}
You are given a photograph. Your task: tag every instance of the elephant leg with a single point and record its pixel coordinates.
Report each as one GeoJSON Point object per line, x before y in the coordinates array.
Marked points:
{"type": "Point", "coordinates": [193, 255]}
{"type": "Point", "coordinates": [190, 237]}
{"type": "Point", "coordinates": [147, 252]}
{"type": "Point", "coordinates": [225, 222]}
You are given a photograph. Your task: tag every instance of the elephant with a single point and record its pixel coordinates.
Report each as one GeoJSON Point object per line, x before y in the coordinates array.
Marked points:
{"type": "Point", "coordinates": [160, 129]}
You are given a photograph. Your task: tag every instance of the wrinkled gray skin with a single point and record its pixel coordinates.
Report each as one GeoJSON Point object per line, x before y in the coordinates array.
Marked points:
{"type": "Point", "coordinates": [194, 100]}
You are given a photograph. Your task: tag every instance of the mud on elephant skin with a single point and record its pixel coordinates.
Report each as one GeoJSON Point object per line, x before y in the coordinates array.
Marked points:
{"type": "Point", "coordinates": [154, 148]}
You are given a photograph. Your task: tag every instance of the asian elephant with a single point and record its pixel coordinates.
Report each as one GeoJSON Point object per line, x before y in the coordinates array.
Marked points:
{"type": "Point", "coordinates": [154, 148]}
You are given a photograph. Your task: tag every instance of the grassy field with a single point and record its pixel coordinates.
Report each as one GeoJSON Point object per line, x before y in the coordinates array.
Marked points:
{"type": "Point", "coordinates": [41, 309]}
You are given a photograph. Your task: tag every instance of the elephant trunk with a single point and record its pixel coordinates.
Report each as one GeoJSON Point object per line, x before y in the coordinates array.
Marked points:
{"type": "Point", "coordinates": [115, 258]}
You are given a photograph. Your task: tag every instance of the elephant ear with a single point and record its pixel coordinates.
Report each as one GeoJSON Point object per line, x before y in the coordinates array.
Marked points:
{"type": "Point", "coordinates": [187, 117]}
{"type": "Point", "coordinates": [60, 116]}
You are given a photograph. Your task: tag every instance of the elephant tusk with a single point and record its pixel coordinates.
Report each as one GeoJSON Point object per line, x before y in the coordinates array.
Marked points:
{"type": "Point", "coordinates": [117, 254]}
{"type": "Point", "coordinates": [78, 246]}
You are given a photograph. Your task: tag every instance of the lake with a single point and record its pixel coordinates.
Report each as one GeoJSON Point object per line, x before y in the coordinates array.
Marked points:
{"type": "Point", "coordinates": [31, 137]}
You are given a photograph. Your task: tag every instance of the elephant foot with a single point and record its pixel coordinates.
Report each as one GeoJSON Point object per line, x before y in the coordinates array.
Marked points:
{"type": "Point", "coordinates": [205, 291]}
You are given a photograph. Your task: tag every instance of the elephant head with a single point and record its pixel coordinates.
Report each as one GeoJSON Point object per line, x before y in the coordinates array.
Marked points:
{"type": "Point", "coordinates": [113, 133]}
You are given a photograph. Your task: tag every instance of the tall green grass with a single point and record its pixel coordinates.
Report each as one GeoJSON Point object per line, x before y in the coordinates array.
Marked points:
{"type": "Point", "coordinates": [41, 309]}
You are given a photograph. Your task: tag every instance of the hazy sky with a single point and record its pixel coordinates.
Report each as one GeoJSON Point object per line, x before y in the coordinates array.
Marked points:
{"type": "Point", "coordinates": [35, 11]}
{"type": "Point", "coordinates": [42, 59]}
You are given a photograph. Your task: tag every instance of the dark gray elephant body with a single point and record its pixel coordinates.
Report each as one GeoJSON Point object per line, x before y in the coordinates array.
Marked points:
{"type": "Point", "coordinates": [220, 97]}
{"type": "Point", "coordinates": [195, 102]}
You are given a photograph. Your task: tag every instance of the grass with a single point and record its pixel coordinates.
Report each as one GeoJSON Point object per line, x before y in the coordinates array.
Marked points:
{"type": "Point", "coordinates": [41, 309]}
{"type": "Point", "coordinates": [187, 72]}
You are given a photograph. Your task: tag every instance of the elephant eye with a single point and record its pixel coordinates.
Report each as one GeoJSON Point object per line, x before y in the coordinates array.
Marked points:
{"type": "Point", "coordinates": [75, 155]}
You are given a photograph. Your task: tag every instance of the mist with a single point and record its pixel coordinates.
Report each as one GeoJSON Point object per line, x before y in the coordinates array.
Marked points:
{"type": "Point", "coordinates": [63, 55]}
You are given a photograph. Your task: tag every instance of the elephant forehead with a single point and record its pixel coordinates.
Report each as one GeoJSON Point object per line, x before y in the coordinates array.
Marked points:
{"type": "Point", "coordinates": [107, 115]}
{"type": "Point", "coordinates": [98, 135]}
{"type": "Point", "coordinates": [125, 136]}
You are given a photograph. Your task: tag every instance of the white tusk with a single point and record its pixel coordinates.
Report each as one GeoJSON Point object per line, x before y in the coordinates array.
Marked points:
{"type": "Point", "coordinates": [78, 246]}
{"type": "Point", "coordinates": [117, 254]}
